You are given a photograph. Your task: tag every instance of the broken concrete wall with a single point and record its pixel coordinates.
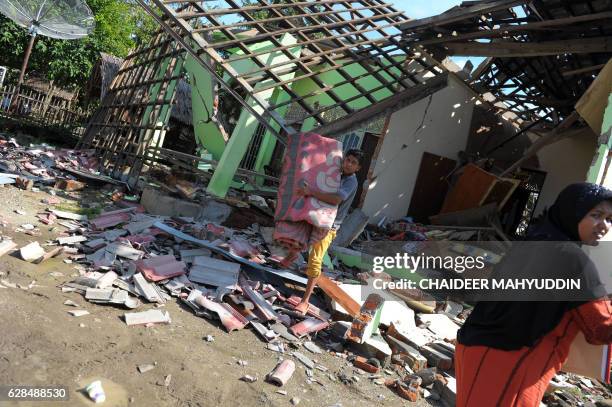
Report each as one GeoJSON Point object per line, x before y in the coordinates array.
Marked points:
{"type": "Point", "coordinates": [565, 162]}
{"type": "Point", "coordinates": [439, 124]}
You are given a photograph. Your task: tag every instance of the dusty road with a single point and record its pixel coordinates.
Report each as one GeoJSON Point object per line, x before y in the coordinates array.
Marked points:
{"type": "Point", "coordinates": [41, 344]}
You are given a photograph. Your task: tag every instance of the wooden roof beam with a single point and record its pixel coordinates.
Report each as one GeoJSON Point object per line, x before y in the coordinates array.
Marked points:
{"type": "Point", "coordinates": [583, 70]}
{"type": "Point", "coordinates": [387, 106]}
{"type": "Point", "coordinates": [530, 49]}
{"type": "Point", "coordinates": [506, 29]}
{"type": "Point", "coordinates": [460, 13]}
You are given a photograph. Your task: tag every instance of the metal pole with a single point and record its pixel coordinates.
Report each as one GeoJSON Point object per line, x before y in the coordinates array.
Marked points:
{"type": "Point", "coordinates": [26, 58]}
{"type": "Point", "coordinates": [14, 101]}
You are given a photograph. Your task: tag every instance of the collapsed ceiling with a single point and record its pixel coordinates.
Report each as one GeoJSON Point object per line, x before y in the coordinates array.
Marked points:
{"type": "Point", "coordinates": [541, 55]}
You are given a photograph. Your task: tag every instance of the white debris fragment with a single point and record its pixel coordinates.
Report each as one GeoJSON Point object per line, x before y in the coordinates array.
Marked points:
{"type": "Point", "coordinates": [78, 313]}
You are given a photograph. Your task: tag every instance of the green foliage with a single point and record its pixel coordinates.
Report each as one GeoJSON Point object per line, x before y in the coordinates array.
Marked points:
{"type": "Point", "coordinates": [120, 27]}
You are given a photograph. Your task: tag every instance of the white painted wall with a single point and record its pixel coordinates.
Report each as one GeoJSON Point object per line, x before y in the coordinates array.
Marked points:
{"type": "Point", "coordinates": [444, 131]}
{"type": "Point", "coordinates": [565, 162]}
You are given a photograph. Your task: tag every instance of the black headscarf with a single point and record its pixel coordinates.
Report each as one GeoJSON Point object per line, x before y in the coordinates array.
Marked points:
{"type": "Point", "coordinates": [560, 222]}
{"type": "Point", "coordinates": [512, 325]}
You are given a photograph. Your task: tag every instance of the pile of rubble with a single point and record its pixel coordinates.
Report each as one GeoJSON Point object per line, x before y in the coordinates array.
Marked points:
{"type": "Point", "coordinates": [130, 259]}
{"type": "Point", "coordinates": [44, 165]}
{"type": "Point", "coordinates": [133, 257]}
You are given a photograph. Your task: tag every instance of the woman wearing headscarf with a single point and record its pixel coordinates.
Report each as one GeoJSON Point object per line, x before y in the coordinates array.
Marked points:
{"type": "Point", "coordinates": [508, 352]}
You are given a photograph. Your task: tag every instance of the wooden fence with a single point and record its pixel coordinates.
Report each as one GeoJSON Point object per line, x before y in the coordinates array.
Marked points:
{"type": "Point", "coordinates": [42, 108]}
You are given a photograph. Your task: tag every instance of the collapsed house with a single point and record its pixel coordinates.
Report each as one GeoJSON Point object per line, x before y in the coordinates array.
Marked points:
{"type": "Point", "coordinates": [365, 74]}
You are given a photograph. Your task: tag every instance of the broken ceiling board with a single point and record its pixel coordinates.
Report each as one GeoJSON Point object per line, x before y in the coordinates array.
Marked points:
{"type": "Point", "coordinates": [125, 251]}
{"type": "Point", "coordinates": [441, 325]}
{"type": "Point", "coordinates": [139, 226]}
{"type": "Point", "coordinates": [394, 311]}
{"type": "Point", "coordinates": [106, 295]}
{"type": "Point", "coordinates": [68, 215]}
{"type": "Point", "coordinates": [71, 239]}
{"type": "Point", "coordinates": [99, 294]}
{"type": "Point", "coordinates": [209, 271]}
{"type": "Point", "coordinates": [203, 243]}
{"type": "Point", "coordinates": [152, 316]}
{"type": "Point", "coordinates": [265, 333]}
{"type": "Point", "coordinates": [221, 265]}
{"type": "Point", "coordinates": [411, 335]}
{"type": "Point", "coordinates": [214, 277]}
{"type": "Point", "coordinates": [32, 252]}
{"type": "Point", "coordinates": [107, 279]}
{"type": "Point", "coordinates": [283, 332]}
{"type": "Point", "coordinates": [260, 302]}
{"type": "Point", "coordinates": [146, 289]}
{"type": "Point", "coordinates": [108, 220]}
{"type": "Point", "coordinates": [352, 226]}
{"type": "Point", "coordinates": [96, 243]}
{"type": "Point", "coordinates": [378, 342]}
{"type": "Point", "coordinates": [188, 255]}
{"type": "Point", "coordinates": [7, 246]}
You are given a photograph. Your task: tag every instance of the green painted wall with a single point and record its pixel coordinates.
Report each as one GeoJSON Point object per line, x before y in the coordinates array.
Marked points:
{"type": "Point", "coordinates": [209, 137]}
{"type": "Point", "coordinates": [247, 124]}
{"type": "Point", "coordinates": [207, 134]}
{"type": "Point", "coordinates": [344, 92]}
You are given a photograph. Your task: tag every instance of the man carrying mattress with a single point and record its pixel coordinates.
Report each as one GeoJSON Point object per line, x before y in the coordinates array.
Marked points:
{"type": "Point", "coordinates": [351, 163]}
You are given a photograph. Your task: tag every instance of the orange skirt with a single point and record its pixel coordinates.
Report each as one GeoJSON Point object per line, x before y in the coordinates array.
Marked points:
{"type": "Point", "coordinates": [492, 377]}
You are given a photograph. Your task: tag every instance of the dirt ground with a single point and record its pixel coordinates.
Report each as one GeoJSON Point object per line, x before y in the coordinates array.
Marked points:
{"type": "Point", "coordinates": [41, 344]}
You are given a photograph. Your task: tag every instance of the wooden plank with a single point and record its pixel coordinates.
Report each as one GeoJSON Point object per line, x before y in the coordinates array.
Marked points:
{"type": "Point", "coordinates": [573, 72]}
{"type": "Point", "coordinates": [332, 290]}
{"type": "Point", "coordinates": [471, 188]}
{"type": "Point", "coordinates": [530, 49]}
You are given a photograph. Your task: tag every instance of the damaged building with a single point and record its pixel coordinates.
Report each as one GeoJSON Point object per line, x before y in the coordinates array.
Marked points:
{"type": "Point", "coordinates": [364, 73]}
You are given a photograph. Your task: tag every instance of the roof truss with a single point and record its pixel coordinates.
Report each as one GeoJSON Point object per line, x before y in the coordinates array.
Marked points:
{"type": "Point", "coordinates": [542, 55]}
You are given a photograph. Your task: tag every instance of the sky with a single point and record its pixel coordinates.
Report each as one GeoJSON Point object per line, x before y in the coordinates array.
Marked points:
{"type": "Point", "coordinates": [426, 8]}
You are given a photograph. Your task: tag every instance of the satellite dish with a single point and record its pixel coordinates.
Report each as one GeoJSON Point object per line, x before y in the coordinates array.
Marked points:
{"type": "Point", "coordinates": [61, 19]}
